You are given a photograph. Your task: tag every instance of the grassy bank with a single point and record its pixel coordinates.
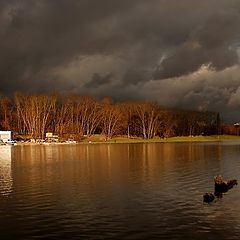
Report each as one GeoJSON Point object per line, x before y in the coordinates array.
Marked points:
{"type": "Point", "coordinates": [214, 138]}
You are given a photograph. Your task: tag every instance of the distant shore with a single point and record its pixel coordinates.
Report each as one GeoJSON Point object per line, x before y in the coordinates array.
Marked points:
{"type": "Point", "coordinates": [213, 138]}
{"type": "Point", "coordinates": [98, 139]}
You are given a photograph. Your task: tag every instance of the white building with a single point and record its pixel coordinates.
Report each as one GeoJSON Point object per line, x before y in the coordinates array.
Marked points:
{"type": "Point", "coordinates": [50, 137]}
{"type": "Point", "coordinates": [5, 135]}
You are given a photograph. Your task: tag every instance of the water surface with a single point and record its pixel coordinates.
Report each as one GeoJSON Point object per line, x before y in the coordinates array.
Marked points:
{"type": "Point", "coordinates": [118, 191]}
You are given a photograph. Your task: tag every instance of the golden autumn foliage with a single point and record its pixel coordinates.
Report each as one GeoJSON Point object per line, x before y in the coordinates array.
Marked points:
{"type": "Point", "coordinates": [82, 116]}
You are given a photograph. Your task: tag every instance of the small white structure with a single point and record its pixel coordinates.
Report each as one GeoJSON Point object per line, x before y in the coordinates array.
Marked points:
{"type": "Point", "coordinates": [50, 137]}
{"type": "Point", "coordinates": [5, 136]}
{"type": "Point", "coordinates": [237, 125]}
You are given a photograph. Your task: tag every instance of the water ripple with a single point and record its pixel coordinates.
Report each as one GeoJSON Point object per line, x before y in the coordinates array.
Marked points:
{"type": "Point", "coordinates": [136, 191]}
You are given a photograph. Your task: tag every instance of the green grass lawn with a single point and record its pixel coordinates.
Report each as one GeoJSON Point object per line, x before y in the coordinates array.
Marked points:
{"type": "Point", "coordinates": [214, 138]}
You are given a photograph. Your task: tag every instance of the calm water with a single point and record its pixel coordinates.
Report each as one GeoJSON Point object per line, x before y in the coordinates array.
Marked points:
{"type": "Point", "coordinates": [135, 191]}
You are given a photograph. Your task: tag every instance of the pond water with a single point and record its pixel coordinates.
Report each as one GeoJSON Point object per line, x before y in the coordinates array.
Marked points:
{"type": "Point", "coordinates": [118, 191]}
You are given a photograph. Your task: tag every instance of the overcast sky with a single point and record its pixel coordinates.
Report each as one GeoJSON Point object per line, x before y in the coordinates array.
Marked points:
{"type": "Point", "coordinates": [180, 53]}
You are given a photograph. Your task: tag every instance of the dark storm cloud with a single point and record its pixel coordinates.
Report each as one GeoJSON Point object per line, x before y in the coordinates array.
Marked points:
{"type": "Point", "coordinates": [134, 76]}
{"type": "Point", "coordinates": [213, 43]}
{"type": "Point", "coordinates": [39, 35]}
{"type": "Point", "coordinates": [204, 90]}
{"type": "Point", "coordinates": [98, 80]}
{"type": "Point", "coordinates": [60, 44]}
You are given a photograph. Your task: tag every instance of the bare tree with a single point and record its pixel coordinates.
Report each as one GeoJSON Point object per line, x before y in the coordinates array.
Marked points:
{"type": "Point", "coordinates": [84, 115]}
{"type": "Point", "coordinates": [5, 113]}
{"type": "Point", "coordinates": [35, 112]}
{"type": "Point", "coordinates": [111, 119]}
{"type": "Point", "coordinates": [127, 110]}
{"type": "Point", "coordinates": [148, 114]}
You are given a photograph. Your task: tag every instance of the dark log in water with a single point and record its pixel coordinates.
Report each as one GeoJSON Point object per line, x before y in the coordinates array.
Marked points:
{"type": "Point", "coordinates": [220, 187]}
{"type": "Point", "coordinates": [208, 197]}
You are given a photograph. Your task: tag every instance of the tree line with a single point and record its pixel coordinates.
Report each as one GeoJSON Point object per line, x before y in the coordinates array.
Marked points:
{"type": "Point", "coordinates": [82, 116]}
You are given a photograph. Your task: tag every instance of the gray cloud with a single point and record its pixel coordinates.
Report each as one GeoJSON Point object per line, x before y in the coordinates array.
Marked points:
{"type": "Point", "coordinates": [98, 80]}
{"type": "Point", "coordinates": [212, 43]}
{"type": "Point", "coordinates": [205, 89]}
{"type": "Point", "coordinates": [118, 48]}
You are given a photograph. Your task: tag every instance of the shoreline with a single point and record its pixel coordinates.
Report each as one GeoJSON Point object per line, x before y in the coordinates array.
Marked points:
{"type": "Point", "coordinates": [182, 139]}
{"type": "Point", "coordinates": [124, 140]}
